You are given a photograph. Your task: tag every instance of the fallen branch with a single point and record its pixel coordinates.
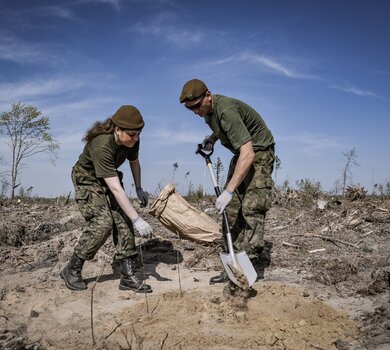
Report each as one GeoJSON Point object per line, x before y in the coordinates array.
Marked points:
{"type": "Point", "coordinates": [279, 227]}
{"type": "Point", "coordinates": [291, 245]}
{"type": "Point", "coordinates": [115, 328]}
{"type": "Point", "coordinates": [163, 341]}
{"type": "Point", "coordinates": [144, 277]}
{"type": "Point", "coordinates": [178, 266]}
{"type": "Point", "coordinates": [382, 209]}
{"type": "Point", "coordinates": [125, 336]}
{"type": "Point", "coordinates": [32, 266]}
{"type": "Point", "coordinates": [365, 235]}
{"type": "Point", "coordinates": [93, 287]}
{"type": "Point", "coordinates": [155, 307]}
{"type": "Point", "coordinates": [289, 224]}
{"type": "Point", "coordinates": [139, 340]}
{"type": "Point", "coordinates": [330, 239]}
{"type": "Point", "coordinates": [317, 250]}
{"type": "Point", "coordinates": [296, 219]}
{"type": "Point", "coordinates": [368, 233]}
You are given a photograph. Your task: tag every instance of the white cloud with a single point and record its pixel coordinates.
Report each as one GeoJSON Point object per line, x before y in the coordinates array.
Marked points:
{"type": "Point", "coordinates": [355, 91]}
{"type": "Point", "coordinates": [170, 137]}
{"type": "Point", "coordinates": [162, 28]}
{"type": "Point", "coordinates": [19, 51]}
{"type": "Point", "coordinates": [311, 144]}
{"type": "Point", "coordinates": [78, 107]}
{"type": "Point", "coordinates": [40, 87]}
{"type": "Point", "coordinates": [268, 63]}
{"type": "Point", "coordinates": [57, 11]}
{"type": "Point", "coordinates": [274, 66]}
{"type": "Point", "coordinates": [71, 143]}
{"type": "Point", "coordinates": [65, 12]}
{"type": "Point", "coordinates": [114, 3]}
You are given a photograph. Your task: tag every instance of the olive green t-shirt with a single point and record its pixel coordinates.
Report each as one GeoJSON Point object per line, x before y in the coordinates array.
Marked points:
{"type": "Point", "coordinates": [235, 123]}
{"type": "Point", "coordinates": [102, 156]}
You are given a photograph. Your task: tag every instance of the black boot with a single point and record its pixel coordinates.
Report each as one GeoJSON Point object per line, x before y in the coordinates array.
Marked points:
{"type": "Point", "coordinates": [71, 273]}
{"type": "Point", "coordinates": [129, 281]}
{"type": "Point", "coordinates": [259, 266]}
{"type": "Point", "coordinates": [221, 278]}
{"type": "Point", "coordinates": [116, 266]}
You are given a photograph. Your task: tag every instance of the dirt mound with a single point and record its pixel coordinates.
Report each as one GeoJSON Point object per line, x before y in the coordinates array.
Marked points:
{"type": "Point", "coordinates": [277, 316]}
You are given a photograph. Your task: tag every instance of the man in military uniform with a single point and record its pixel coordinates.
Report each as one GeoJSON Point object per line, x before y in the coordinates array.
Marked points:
{"type": "Point", "coordinates": [247, 192]}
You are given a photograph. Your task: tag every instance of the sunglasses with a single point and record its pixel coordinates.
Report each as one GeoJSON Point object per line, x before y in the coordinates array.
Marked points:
{"type": "Point", "coordinates": [196, 105]}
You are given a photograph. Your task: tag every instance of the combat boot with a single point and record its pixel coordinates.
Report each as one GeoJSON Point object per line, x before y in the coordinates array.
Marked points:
{"type": "Point", "coordinates": [221, 278]}
{"type": "Point", "coordinates": [71, 273]}
{"type": "Point", "coordinates": [116, 266]}
{"type": "Point", "coordinates": [260, 265]}
{"type": "Point", "coordinates": [129, 281]}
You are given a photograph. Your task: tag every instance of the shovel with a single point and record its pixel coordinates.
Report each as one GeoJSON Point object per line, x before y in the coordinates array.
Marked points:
{"type": "Point", "coordinates": [238, 266]}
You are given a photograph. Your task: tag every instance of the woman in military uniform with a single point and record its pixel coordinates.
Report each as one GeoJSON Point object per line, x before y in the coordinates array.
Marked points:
{"type": "Point", "coordinates": [102, 200]}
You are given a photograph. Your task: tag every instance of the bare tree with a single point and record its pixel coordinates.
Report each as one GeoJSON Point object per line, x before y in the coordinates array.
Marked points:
{"type": "Point", "coordinates": [278, 165]}
{"type": "Point", "coordinates": [185, 180]}
{"type": "Point", "coordinates": [175, 166]}
{"type": "Point", "coordinates": [4, 183]}
{"type": "Point", "coordinates": [28, 134]}
{"type": "Point", "coordinates": [218, 166]}
{"type": "Point", "coordinates": [351, 160]}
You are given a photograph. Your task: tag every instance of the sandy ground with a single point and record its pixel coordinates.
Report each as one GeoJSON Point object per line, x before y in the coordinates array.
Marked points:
{"type": "Point", "coordinates": [290, 308]}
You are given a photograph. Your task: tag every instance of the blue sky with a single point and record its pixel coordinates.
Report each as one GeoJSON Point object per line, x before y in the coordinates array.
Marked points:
{"type": "Point", "coordinates": [317, 71]}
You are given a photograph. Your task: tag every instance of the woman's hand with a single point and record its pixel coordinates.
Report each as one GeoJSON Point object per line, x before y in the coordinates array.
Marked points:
{"type": "Point", "coordinates": [142, 196]}
{"type": "Point", "coordinates": [142, 227]}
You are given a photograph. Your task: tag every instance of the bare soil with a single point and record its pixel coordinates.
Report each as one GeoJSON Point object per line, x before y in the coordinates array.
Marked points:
{"type": "Point", "coordinates": [327, 286]}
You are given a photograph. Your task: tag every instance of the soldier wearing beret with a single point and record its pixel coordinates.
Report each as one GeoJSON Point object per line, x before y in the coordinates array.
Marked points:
{"type": "Point", "coordinates": [247, 192]}
{"type": "Point", "coordinates": [102, 200]}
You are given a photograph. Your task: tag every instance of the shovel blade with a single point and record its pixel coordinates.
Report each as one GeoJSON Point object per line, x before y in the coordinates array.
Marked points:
{"type": "Point", "coordinates": [243, 274]}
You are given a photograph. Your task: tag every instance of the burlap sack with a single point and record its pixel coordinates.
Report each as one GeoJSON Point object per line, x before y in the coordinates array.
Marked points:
{"type": "Point", "coordinates": [178, 216]}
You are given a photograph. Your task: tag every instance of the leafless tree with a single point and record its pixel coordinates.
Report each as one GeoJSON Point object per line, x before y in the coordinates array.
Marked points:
{"type": "Point", "coordinates": [27, 133]}
{"type": "Point", "coordinates": [218, 166]}
{"type": "Point", "coordinates": [175, 166]}
{"type": "Point", "coordinates": [278, 165]}
{"type": "Point", "coordinates": [351, 160]}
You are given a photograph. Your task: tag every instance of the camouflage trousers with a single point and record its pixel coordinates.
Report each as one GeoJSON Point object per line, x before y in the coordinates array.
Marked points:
{"type": "Point", "coordinates": [103, 217]}
{"type": "Point", "coordinates": [250, 203]}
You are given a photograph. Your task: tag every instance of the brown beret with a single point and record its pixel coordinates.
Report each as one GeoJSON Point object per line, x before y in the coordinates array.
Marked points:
{"type": "Point", "coordinates": [192, 90]}
{"type": "Point", "coordinates": [128, 117]}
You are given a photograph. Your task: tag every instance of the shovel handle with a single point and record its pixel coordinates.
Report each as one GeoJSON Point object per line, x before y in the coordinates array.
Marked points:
{"type": "Point", "coordinates": [206, 155]}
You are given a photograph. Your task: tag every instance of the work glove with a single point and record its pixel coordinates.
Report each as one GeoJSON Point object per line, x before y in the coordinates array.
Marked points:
{"type": "Point", "coordinates": [223, 200]}
{"type": "Point", "coordinates": [208, 144]}
{"type": "Point", "coordinates": [142, 196]}
{"type": "Point", "coordinates": [142, 227]}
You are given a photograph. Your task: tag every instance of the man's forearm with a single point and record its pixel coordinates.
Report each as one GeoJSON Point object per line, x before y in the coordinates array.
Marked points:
{"type": "Point", "coordinates": [214, 137]}
{"type": "Point", "coordinates": [244, 163]}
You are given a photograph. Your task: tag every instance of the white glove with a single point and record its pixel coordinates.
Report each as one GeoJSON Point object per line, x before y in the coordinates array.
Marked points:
{"type": "Point", "coordinates": [142, 196]}
{"type": "Point", "coordinates": [223, 200]}
{"type": "Point", "coordinates": [142, 227]}
{"type": "Point", "coordinates": [208, 144]}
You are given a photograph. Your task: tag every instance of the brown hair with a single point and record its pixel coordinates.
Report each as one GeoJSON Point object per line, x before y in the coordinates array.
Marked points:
{"type": "Point", "coordinates": [105, 127]}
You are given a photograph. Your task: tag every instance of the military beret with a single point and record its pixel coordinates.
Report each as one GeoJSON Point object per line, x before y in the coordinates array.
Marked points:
{"type": "Point", "coordinates": [128, 117]}
{"type": "Point", "coordinates": [192, 90]}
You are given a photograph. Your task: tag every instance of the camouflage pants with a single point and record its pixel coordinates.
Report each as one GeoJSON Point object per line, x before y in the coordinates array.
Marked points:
{"type": "Point", "coordinates": [250, 203]}
{"type": "Point", "coordinates": [103, 216]}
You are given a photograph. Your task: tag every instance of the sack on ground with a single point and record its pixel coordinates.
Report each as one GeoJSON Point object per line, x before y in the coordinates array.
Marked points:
{"type": "Point", "coordinates": [178, 216]}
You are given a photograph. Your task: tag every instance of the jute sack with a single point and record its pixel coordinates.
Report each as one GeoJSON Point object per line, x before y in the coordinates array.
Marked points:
{"type": "Point", "coordinates": [178, 216]}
